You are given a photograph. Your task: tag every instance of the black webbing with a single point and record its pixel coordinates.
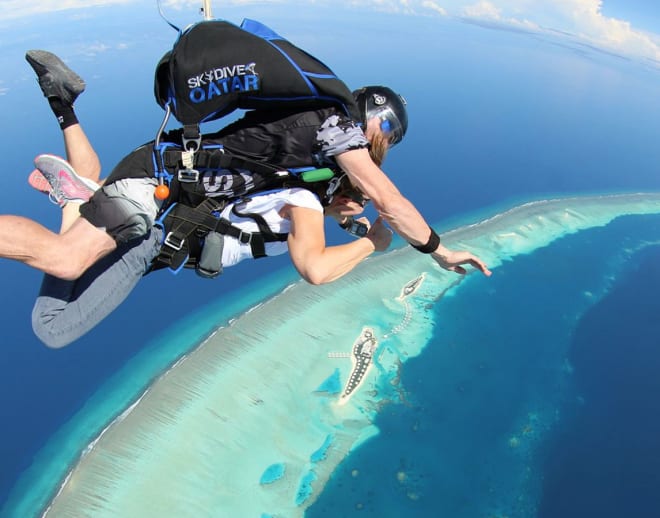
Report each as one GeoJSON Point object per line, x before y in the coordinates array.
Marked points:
{"type": "Point", "coordinates": [186, 226]}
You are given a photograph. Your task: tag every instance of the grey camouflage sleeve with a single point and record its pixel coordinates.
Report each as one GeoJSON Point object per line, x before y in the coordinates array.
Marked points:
{"type": "Point", "coordinates": [337, 135]}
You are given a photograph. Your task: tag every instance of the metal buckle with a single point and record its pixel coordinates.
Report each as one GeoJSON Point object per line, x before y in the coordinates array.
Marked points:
{"type": "Point", "coordinates": [174, 242]}
{"type": "Point", "coordinates": [192, 144]}
{"type": "Point", "coordinates": [188, 175]}
{"type": "Point", "coordinates": [243, 235]}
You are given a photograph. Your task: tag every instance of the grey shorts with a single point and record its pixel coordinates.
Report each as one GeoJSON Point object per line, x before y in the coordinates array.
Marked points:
{"type": "Point", "coordinates": [125, 209]}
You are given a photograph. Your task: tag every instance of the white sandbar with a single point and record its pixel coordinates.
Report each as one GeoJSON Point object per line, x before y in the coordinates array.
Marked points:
{"type": "Point", "coordinates": [198, 442]}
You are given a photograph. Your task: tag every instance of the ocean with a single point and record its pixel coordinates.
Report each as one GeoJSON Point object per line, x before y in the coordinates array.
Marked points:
{"type": "Point", "coordinates": [481, 419]}
{"type": "Point", "coordinates": [511, 400]}
{"type": "Point", "coordinates": [604, 460]}
{"type": "Point", "coordinates": [535, 398]}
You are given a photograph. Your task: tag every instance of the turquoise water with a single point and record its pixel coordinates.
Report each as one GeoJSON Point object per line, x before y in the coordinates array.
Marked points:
{"type": "Point", "coordinates": [595, 131]}
{"type": "Point", "coordinates": [66, 445]}
{"type": "Point", "coordinates": [490, 424]}
{"type": "Point", "coordinates": [465, 428]}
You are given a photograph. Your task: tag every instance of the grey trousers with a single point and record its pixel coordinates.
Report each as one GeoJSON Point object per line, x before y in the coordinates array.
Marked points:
{"type": "Point", "coordinates": [66, 310]}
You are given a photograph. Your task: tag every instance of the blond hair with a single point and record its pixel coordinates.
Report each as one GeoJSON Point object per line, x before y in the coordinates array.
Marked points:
{"type": "Point", "coordinates": [378, 148]}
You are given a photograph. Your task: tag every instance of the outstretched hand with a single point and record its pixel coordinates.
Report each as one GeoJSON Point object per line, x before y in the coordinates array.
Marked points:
{"type": "Point", "coordinates": [453, 260]}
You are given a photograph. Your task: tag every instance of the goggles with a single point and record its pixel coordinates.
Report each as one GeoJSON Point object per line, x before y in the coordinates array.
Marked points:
{"type": "Point", "coordinates": [390, 125]}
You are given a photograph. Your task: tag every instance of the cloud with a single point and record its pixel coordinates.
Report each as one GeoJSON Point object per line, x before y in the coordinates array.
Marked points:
{"type": "Point", "coordinates": [580, 19]}
{"type": "Point", "coordinates": [434, 6]}
{"type": "Point", "coordinates": [95, 49]}
{"type": "Point", "coordinates": [13, 9]}
{"type": "Point", "coordinates": [482, 10]}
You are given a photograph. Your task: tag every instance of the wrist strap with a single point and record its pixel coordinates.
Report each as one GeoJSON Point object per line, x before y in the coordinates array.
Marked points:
{"type": "Point", "coordinates": [347, 223]}
{"type": "Point", "coordinates": [430, 246]}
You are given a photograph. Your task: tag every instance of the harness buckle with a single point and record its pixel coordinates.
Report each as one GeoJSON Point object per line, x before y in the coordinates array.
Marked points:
{"type": "Point", "coordinates": [245, 237]}
{"type": "Point", "coordinates": [193, 144]}
{"type": "Point", "coordinates": [174, 242]}
{"type": "Point", "coordinates": [188, 175]}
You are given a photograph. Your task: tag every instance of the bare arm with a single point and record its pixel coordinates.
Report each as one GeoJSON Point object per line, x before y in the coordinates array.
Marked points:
{"type": "Point", "coordinates": [318, 264]}
{"type": "Point", "coordinates": [399, 213]}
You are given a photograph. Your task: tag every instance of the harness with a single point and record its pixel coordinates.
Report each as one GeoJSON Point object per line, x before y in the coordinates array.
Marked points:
{"type": "Point", "coordinates": [215, 171]}
{"type": "Point", "coordinates": [214, 68]}
{"type": "Point", "coordinates": [187, 228]}
{"type": "Point", "coordinates": [190, 213]}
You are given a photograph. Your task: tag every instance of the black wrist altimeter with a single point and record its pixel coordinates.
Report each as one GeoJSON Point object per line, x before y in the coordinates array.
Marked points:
{"type": "Point", "coordinates": [353, 227]}
{"type": "Point", "coordinates": [431, 245]}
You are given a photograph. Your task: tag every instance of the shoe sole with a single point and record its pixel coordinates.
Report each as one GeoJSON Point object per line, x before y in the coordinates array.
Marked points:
{"type": "Point", "coordinates": [38, 181]}
{"type": "Point", "coordinates": [44, 62]}
{"type": "Point", "coordinates": [52, 165]}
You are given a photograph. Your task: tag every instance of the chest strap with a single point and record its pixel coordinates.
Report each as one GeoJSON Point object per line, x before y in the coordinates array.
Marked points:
{"type": "Point", "coordinates": [217, 157]}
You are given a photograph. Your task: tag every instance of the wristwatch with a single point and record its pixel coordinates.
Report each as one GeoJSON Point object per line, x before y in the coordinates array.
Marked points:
{"type": "Point", "coordinates": [354, 228]}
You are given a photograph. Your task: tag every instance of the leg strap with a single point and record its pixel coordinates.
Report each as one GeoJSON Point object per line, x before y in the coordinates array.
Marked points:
{"type": "Point", "coordinates": [185, 228]}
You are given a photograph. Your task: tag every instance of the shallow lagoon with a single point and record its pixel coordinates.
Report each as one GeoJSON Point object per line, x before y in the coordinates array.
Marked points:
{"type": "Point", "coordinates": [498, 371]}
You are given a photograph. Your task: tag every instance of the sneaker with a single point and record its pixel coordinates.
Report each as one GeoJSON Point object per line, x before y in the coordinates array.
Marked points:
{"type": "Point", "coordinates": [56, 177]}
{"type": "Point", "coordinates": [55, 78]}
{"type": "Point", "coordinates": [38, 181]}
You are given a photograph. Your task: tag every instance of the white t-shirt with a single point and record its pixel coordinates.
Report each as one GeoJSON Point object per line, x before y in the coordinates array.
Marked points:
{"type": "Point", "coordinates": [268, 206]}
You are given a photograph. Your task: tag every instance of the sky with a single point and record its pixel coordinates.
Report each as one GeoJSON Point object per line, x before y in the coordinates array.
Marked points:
{"type": "Point", "coordinates": [586, 132]}
{"type": "Point", "coordinates": [627, 27]}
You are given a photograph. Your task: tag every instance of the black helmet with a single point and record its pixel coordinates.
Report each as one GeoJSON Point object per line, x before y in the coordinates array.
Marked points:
{"type": "Point", "coordinates": [384, 103]}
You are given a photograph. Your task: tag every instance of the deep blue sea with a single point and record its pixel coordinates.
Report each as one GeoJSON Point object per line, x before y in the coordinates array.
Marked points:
{"type": "Point", "coordinates": [605, 461]}
{"type": "Point", "coordinates": [559, 350]}
{"type": "Point", "coordinates": [496, 118]}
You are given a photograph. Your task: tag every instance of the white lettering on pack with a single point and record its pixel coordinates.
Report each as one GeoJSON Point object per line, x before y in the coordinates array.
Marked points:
{"type": "Point", "coordinates": [221, 81]}
{"type": "Point", "coordinates": [227, 182]}
{"type": "Point", "coordinates": [220, 73]}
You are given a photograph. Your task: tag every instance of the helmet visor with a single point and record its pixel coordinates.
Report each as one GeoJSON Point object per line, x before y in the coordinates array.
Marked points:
{"type": "Point", "coordinates": [390, 124]}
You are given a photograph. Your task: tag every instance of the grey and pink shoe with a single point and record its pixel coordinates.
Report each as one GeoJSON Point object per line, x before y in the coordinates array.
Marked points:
{"type": "Point", "coordinates": [55, 176]}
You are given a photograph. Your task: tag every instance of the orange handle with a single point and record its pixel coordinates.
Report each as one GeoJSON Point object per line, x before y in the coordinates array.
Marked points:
{"type": "Point", "coordinates": [162, 192]}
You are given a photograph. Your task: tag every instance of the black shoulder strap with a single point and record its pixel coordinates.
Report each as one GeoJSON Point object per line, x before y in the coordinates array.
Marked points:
{"type": "Point", "coordinates": [267, 234]}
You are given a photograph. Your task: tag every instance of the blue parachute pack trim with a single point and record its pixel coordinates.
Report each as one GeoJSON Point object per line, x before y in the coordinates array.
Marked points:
{"type": "Point", "coordinates": [216, 67]}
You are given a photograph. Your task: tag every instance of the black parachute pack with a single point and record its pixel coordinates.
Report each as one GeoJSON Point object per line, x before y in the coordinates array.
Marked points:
{"type": "Point", "coordinates": [213, 69]}
{"type": "Point", "coordinates": [216, 67]}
